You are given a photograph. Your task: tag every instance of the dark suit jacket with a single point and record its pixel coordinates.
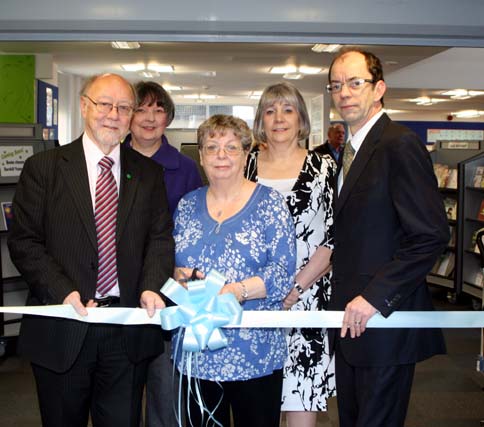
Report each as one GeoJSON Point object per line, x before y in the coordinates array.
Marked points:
{"type": "Point", "coordinates": [53, 244]}
{"type": "Point", "coordinates": [390, 228]}
{"type": "Point", "coordinates": [326, 149]}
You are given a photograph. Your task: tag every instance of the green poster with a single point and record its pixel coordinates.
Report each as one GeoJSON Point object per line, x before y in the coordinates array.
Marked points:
{"type": "Point", "coordinates": [17, 81]}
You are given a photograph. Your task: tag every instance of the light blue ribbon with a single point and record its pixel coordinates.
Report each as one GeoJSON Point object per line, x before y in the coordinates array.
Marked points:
{"type": "Point", "coordinates": [201, 311]}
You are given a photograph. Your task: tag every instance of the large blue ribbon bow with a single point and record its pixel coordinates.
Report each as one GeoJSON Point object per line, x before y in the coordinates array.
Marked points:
{"type": "Point", "coordinates": [201, 311]}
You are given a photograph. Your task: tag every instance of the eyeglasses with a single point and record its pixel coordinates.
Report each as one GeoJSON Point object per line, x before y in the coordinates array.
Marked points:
{"type": "Point", "coordinates": [106, 107]}
{"type": "Point", "coordinates": [229, 149]}
{"type": "Point", "coordinates": [353, 84]}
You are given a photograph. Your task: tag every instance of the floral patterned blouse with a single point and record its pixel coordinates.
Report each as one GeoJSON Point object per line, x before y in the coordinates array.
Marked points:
{"type": "Point", "coordinates": [257, 241]}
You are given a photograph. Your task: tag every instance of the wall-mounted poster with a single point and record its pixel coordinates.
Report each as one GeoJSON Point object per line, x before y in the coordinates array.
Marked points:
{"type": "Point", "coordinates": [48, 106]}
{"type": "Point", "coordinates": [12, 159]}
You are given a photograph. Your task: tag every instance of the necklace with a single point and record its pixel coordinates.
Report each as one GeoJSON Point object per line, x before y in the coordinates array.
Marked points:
{"type": "Point", "coordinates": [227, 205]}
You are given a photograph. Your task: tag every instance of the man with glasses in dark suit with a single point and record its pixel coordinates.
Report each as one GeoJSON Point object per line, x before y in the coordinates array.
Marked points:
{"type": "Point", "coordinates": [92, 228]}
{"type": "Point", "coordinates": [390, 228]}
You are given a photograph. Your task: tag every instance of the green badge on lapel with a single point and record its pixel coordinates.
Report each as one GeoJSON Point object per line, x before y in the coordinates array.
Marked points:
{"type": "Point", "coordinates": [129, 176]}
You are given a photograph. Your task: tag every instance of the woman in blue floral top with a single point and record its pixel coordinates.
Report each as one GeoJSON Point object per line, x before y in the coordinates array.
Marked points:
{"type": "Point", "coordinates": [245, 232]}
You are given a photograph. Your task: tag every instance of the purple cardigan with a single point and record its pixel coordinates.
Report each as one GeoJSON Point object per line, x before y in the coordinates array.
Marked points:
{"type": "Point", "coordinates": [181, 172]}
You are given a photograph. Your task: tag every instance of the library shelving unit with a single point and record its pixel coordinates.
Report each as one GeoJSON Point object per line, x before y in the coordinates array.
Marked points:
{"type": "Point", "coordinates": [470, 205]}
{"type": "Point", "coordinates": [17, 143]}
{"type": "Point", "coordinates": [460, 160]}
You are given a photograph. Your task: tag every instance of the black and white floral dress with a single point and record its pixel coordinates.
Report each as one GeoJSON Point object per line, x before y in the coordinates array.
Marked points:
{"type": "Point", "coordinates": [309, 369]}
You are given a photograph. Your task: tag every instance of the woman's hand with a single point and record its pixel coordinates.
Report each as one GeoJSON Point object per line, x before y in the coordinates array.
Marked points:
{"type": "Point", "coordinates": [233, 288]}
{"type": "Point", "coordinates": [291, 299]}
{"type": "Point", "coordinates": [183, 275]}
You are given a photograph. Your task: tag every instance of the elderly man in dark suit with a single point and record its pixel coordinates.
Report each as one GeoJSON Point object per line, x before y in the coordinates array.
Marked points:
{"type": "Point", "coordinates": [92, 228]}
{"type": "Point", "coordinates": [390, 228]}
{"type": "Point", "coordinates": [335, 142]}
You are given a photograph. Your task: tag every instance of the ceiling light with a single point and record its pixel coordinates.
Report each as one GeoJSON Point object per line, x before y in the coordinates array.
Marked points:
{"type": "Point", "coordinates": [425, 100]}
{"type": "Point", "coordinates": [462, 93]}
{"type": "Point", "coordinates": [467, 114]}
{"type": "Point", "coordinates": [133, 67]}
{"type": "Point", "coordinates": [293, 76]}
{"type": "Point", "coordinates": [255, 94]}
{"type": "Point", "coordinates": [159, 68]}
{"type": "Point", "coordinates": [170, 88]}
{"type": "Point", "coordinates": [328, 48]}
{"type": "Point", "coordinates": [283, 70]}
{"type": "Point", "coordinates": [125, 45]}
{"type": "Point", "coordinates": [148, 74]}
{"type": "Point", "coordinates": [309, 70]}
{"type": "Point", "coordinates": [199, 97]}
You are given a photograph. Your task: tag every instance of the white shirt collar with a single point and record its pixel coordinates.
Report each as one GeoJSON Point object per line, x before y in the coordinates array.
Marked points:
{"type": "Point", "coordinates": [94, 154]}
{"type": "Point", "coordinates": [358, 138]}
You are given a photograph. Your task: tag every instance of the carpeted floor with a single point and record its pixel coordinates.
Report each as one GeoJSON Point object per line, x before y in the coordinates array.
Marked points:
{"type": "Point", "coordinates": [447, 390]}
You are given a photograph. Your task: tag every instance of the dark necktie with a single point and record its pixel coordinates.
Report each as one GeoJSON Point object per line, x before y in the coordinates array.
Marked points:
{"type": "Point", "coordinates": [348, 156]}
{"type": "Point", "coordinates": [105, 218]}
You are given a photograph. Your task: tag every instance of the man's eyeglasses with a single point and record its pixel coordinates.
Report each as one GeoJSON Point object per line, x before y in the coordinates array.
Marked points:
{"type": "Point", "coordinates": [229, 149]}
{"type": "Point", "coordinates": [353, 84]}
{"type": "Point", "coordinates": [106, 107]}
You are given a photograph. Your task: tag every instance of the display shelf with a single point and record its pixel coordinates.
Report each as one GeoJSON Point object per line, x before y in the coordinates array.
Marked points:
{"type": "Point", "coordinates": [436, 279]}
{"type": "Point", "coordinates": [470, 204]}
{"type": "Point", "coordinates": [472, 290]}
{"type": "Point", "coordinates": [455, 166]}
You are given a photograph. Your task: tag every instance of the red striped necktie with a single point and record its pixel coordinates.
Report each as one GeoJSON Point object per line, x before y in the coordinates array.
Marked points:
{"type": "Point", "coordinates": [105, 218]}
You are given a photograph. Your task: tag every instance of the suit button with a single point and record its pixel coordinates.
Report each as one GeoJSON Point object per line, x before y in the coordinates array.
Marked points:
{"type": "Point", "coordinates": [93, 266]}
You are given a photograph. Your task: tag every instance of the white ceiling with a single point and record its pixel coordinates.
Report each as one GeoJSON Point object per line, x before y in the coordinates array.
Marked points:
{"type": "Point", "coordinates": [241, 68]}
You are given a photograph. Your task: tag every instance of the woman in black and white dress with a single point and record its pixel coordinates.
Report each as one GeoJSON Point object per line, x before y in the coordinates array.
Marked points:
{"type": "Point", "coordinates": [305, 179]}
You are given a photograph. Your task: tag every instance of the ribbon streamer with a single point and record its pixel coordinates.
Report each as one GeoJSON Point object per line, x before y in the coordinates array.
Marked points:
{"type": "Point", "coordinates": [267, 319]}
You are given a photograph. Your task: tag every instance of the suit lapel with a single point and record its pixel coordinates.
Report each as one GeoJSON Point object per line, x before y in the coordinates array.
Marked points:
{"type": "Point", "coordinates": [129, 182]}
{"type": "Point", "coordinates": [359, 163]}
{"type": "Point", "coordinates": [74, 171]}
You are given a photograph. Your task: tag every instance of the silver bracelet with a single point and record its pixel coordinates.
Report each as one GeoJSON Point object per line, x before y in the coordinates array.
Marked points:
{"type": "Point", "coordinates": [245, 294]}
{"type": "Point", "coordinates": [298, 287]}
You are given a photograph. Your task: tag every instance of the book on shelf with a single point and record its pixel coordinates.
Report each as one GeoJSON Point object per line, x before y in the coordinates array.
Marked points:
{"type": "Point", "coordinates": [452, 179]}
{"type": "Point", "coordinates": [450, 206]}
{"type": "Point", "coordinates": [479, 279]}
{"type": "Point", "coordinates": [7, 215]}
{"type": "Point", "coordinates": [480, 212]}
{"type": "Point", "coordinates": [478, 180]}
{"type": "Point", "coordinates": [446, 266]}
{"type": "Point", "coordinates": [474, 246]}
{"type": "Point", "coordinates": [442, 174]}
{"type": "Point", "coordinates": [452, 233]}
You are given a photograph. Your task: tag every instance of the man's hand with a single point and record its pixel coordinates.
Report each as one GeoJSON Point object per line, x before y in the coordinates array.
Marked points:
{"type": "Point", "coordinates": [357, 313]}
{"type": "Point", "coordinates": [151, 301]}
{"type": "Point", "coordinates": [74, 299]}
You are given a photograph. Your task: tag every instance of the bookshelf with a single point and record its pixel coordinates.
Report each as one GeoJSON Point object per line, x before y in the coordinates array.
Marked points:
{"type": "Point", "coordinates": [471, 199]}
{"type": "Point", "coordinates": [455, 164]}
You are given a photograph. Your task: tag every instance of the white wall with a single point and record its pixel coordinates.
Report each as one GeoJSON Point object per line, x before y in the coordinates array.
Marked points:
{"type": "Point", "coordinates": [70, 121]}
